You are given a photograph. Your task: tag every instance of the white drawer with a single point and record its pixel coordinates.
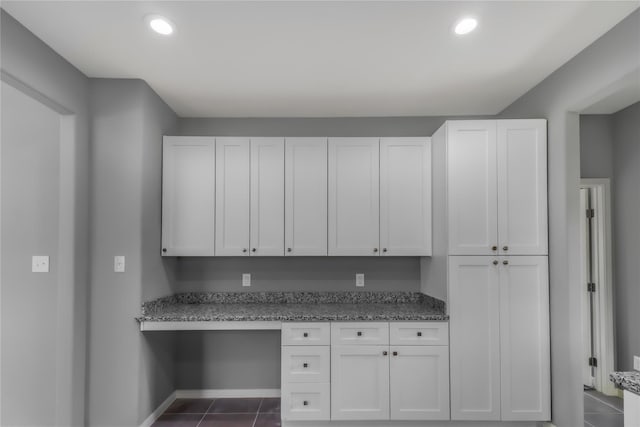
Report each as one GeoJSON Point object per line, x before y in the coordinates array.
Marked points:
{"type": "Point", "coordinates": [305, 364]}
{"type": "Point", "coordinates": [306, 333]}
{"type": "Point", "coordinates": [360, 333]}
{"type": "Point", "coordinates": [301, 401]}
{"type": "Point", "coordinates": [419, 333]}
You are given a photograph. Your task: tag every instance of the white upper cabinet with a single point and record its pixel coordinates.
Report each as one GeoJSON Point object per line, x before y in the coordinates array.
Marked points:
{"type": "Point", "coordinates": [522, 187]}
{"type": "Point", "coordinates": [188, 196]}
{"type": "Point", "coordinates": [405, 196]}
{"type": "Point", "coordinates": [267, 196]}
{"type": "Point", "coordinates": [354, 225]}
{"type": "Point", "coordinates": [305, 196]}
{"type": "Point", "coordinates": [497, 187]}
{"type": "Point", "coordinates": [232, 196]}
{"type": "Point", "coordinates": [471, 187]}
{"type": "Point", "coordinates": [524, 338]}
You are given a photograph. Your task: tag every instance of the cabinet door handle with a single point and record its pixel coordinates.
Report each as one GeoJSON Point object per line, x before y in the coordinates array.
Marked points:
{"type": "Point", "coordinates": [375, 249]}
{"type": "Point", "coordinates": [305, 403]}
{"type": "Point", "coordinates": [288, 249]}
{"type": "Point", "coordinates": [505, 262]}
{"type": "Point", "coordinates": [419, 334]}
{"type": "Point", "coordinates": [384, 353]}
{"type": "Point", "coordinates": [495, 262]}
{"type": "Point", "coordinates": [164, 249]}
{"type": "Point", "coordinates": [305, 365]}
{"type": "Point", "coordinates": [494, 248]}
{"type": "Point", "coordinates": [359, 333]}
{"type": "Point", "coordinates": [395, 353]}
{"type": "Point", "coordinates": [505, 248]}
{"type": "Point", "coordinates": [305, 334]}
{"type": "Point", "coordinates": [384, 249]}
{"type": "Point", "coordinates": [253, 250]}
{"type": "Point", "coordinates": [244, 250]}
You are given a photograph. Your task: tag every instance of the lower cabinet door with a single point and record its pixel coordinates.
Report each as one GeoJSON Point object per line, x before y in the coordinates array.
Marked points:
{"type": "Point", "coordinates": [359, 382]}
{"type": "Point", "coordinates": [419, 388]}
{"type": "Point", "coordinates": [301, 401]}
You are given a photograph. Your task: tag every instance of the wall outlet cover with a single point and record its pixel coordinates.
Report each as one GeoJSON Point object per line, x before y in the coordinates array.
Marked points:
{"type": "Point", "coordinates": [118, 263]}
{"type": "Point", "coordinates": [246, 279]}
{"type": "Point", "coordinates": [40, 264]}
{"type": "Point", "coordinates": [636, 363]}
{"type": "Point", "coordinates": [360, 280]}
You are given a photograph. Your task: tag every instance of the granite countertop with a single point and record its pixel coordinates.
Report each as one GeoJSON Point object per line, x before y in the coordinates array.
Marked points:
{"type": "Point", "coordinates": [627, 380]}
{"type": "Point", "coordinates": [293, 306]}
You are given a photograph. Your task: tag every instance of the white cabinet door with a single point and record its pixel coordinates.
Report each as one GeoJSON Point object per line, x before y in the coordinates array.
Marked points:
{"type": "Point", "coordinates": [354, 225]}
{"type": "Point", "coordinates": [359, 382]}
{"type": "Point", "coordinates": [232, 196]}
{"type": "Point", "coordinates": [405, 196]}
{"type": "Point", "coordinates": [524, 338]}
{"type": "Point", "coordinates": [631, 409]}
{"type": "Point", "coordinates": [267, 197]}
{"type": "Point", "coordinates": [472, 187]}
{"type": "Point", "coordinates": [305, 196]}
{"type": "Point", "coordinates": [419, 388]}
{"type": "Point", "coordinates": [188, 196]}
{"type": "Point", "coordinates": [522, 187]}
{"type": "Point", "coordinates": [474, 337]}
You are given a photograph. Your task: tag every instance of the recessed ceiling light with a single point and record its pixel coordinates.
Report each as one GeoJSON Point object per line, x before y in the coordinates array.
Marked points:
{"type": "Point", "coordinates": [465, 26]}
{"type": "Point", "coordinates": [160, 24]}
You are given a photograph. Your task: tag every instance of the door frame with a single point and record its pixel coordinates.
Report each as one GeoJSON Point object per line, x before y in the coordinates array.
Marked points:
{"type": "Point", "coordinates": [603, 276]}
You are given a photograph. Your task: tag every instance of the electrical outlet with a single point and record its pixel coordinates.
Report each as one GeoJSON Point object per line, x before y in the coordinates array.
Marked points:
{"type": "Point", "coordinates": [40, 264]}
{"type": "Point", "coordinates": [636, 363]}
{"type": "Point", "coordinates": [360, 280]}
{"type": "Point", "coordinates": [118, 263]}
{"type": "Point", "coordinates": [246, 279]}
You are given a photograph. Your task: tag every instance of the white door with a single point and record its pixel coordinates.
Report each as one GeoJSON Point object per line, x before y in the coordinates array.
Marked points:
{"type": "Point", "coordinates": [232, 196]}
{"type": "Point", "coordinates": [267, 196]}
{"type": "Point", "coordinates": [405, 196]}
{"type": "Point", "coordinates": [419, 388]}
{"type": "Point", "coordinates": [305, 196]}
{"type": "Point", "coordinates": [359, 382]}
{"type": "Point", "coordinates": [354, 225]}
{"type": "Point", "coordinates": [474, 337]}
{"type": "Point", "coordinates": [471, 187]}
{"type": "Point", "coordinates": [522, 187]}
{"type": "Point", "coordinates": [524, 338]}
{"type": "Point", "coordinates": [188, 196]}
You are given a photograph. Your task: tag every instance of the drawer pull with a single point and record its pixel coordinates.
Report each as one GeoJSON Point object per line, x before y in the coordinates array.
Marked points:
{"type": "Point", "coordinates": [305, 365]}
{"type": "Point", "coordinates": [419, 334]}
{"type": "Point", "coordinates": [384, 353]}
{"type": "Point", "coordinates": [305, 403]}
{"type": "Point", "coordinates": [505, 248]}
{"type": "Point", "coordinates": [395, 353]}
{"type": "Point", "coordinates": [505, 262]}
{"type": "Point", "coordinates": [288, 249]}
{"type": "Point", "coordinates": [305, 334]}
{"type": "Point", "coordinates": [359, 333]}
{"type": "Point", "coordinates": [494, 248]}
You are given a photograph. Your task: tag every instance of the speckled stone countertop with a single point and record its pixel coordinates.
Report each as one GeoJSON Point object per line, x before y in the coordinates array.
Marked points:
{"type": "Point", "coordinates": [627, 380]}
{"type": "Point", "coordinates": [293, 306]}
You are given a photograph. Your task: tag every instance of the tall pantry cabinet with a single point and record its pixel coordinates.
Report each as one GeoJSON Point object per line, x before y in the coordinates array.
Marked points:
{"type": "Point", "coordinates": [495, 208]}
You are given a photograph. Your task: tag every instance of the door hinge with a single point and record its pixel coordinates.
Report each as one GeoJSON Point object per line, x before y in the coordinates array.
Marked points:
{"type": "Point", "coordinates": [593, 361]}
{"type": "Point", "coordinates": [591, 213]}
{"type": "Point", "coordinates": [591, 287]}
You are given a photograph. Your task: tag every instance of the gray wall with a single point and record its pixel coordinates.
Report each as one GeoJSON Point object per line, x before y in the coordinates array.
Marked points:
{"type": "Point", "coordinates": [37, 71]}
{"type": "Point", "coordinates": [558, 98]}
{"type": "Point", "coordinates": [626, 239]}
{"type": "Point", "coordinates": [596, 146]}
{"type": "Point", "coordinates": [130, 373]}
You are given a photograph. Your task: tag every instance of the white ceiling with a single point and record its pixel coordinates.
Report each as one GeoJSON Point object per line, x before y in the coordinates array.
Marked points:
{"type": "Point", "coordinates": [324, 58]}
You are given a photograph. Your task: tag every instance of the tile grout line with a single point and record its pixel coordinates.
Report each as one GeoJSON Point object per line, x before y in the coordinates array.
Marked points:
{"type": "Point", "coordinates": [205, 413]}
{"type": "Point", "coordinates": [605, 403]}
{"type": "Point", "coordinates": [257, 413]}
{"type": "Point", "coordinates": [587, 422]}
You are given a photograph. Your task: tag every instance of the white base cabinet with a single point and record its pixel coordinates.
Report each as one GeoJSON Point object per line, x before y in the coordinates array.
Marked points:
{"type": "Point", "coordinates": [631, 409]}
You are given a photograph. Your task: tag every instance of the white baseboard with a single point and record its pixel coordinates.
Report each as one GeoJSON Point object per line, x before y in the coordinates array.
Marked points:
{"type": "Point", "coordinates": [218, 393]}
{"type": "Point", "coordinates": [159, 410]}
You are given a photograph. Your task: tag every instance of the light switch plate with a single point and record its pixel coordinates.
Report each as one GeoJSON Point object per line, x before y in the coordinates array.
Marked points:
{"type": "Point", "coordinates": [360, 280]}
{"type": "Point", "coordinates": [118, 263]}
{"type": "Point", "coordinates": [636, 363]}
{"type": "Point", "coordinates": [40, 264]}
{"type": "Point", "coordinates": [246, 279]}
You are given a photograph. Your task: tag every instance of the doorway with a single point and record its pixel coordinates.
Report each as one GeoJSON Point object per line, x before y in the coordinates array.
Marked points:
{"type": "Point", "coordinates": [597, 280]}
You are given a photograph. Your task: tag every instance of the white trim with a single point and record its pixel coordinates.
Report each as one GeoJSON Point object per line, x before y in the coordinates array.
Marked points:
{"type": "Point", "coordinates": [159, 410]}
{"type": "Point", "coordinates": [207, 325]}
{"type": "Point", "coordinates": [604, 279]}
{"type": "Point", "coordinates": [220, 393]}
{"type": "Point", "coordinates": [389, 423]}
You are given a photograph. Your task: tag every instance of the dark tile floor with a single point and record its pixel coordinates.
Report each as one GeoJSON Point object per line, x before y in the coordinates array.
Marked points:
{"type": "Point", "coordinates": [227, 412]}
{"type": "Point", "coordinates": [602, 411]}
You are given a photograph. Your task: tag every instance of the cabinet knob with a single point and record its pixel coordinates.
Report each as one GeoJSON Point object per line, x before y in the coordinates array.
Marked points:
{"type": "Point", "coordinates": [505, 262]}
{"type": "Point", "coordinates": [419, 334]}
{"type": "Point", "coordinates": [288, 249]}
{"type": "Point", "coordinates": [395, 353]}
{"type": "Point", "coordinates": [375, 249]}
{"type": "Point", "coordinates": [495, 262]}
{"type": "Point", "coordinates": [305, 334]}
{"type": "Point", "coordinates": [359, 333]}
{"type": "Point", "coordinates": [505, 248]}
{"type": "Point", "coordinates": [384, 353]}
{"type": "Point", "coordinates": [305, 403]}
{"type": "Point", "coordinates": [244, 250]}
{"type": "Point", "coordinates": [305, 365]}
{"type": "Point", "coordinates": [164, 249]}
{"type": "Point", "coordinates": [494, 248]}
{"type": "Point", "coordinates": [253, 250]}
{"type": "Point", "coordinates": [384, 249]}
